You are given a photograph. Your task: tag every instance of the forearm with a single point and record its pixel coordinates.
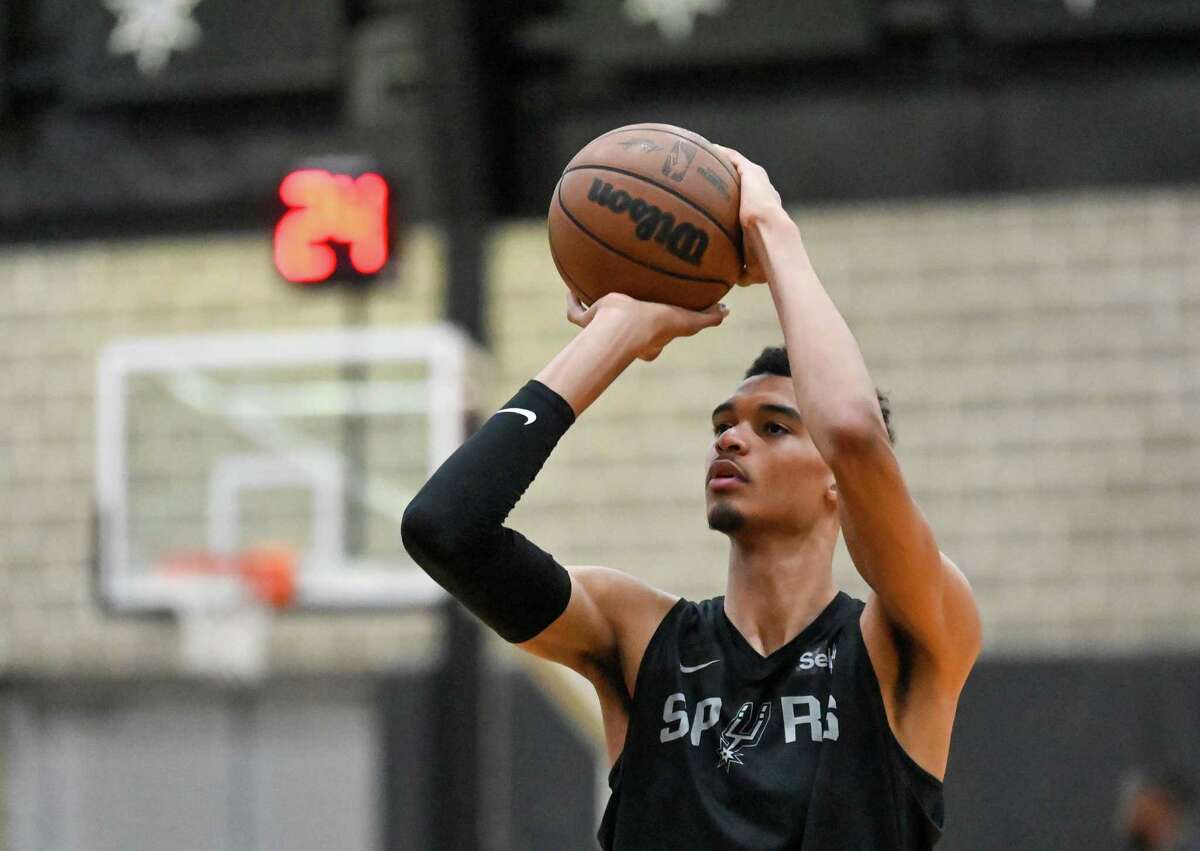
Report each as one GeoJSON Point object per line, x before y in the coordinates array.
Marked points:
{"type": "Point", "coordinates": [889, 540]}
{"type": "Point", "coordinates": [834, 391]}
{"type": "Point", "coordinates": [453, 526]}
{"type": "Point", "coordinates": [591, 361]}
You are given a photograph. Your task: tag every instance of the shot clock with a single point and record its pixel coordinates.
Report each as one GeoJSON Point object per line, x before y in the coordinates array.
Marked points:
{"type": "Point", "coordinates": [336, 223]}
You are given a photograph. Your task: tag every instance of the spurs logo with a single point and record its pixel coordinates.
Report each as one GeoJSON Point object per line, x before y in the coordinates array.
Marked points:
{"type": "Point", "coordinates": [683, 239]}
{"type": "Point", "coordinates": [679, 160]}
{"type": "Point", "coordinates": [805, 718]}
{"type": "Point", "coordinates": [745, 730]}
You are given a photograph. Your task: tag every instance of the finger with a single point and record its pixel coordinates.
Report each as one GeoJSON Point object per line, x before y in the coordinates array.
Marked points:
{"type": "Point", "coordinates": [740, 161]}
{"type": "Point", "coordinates": [713, 311]}
{"type": "Point", "coordinates": [736, 159]}
{"type": "Point", "coordinates": [750, 276]}
{"type": "Point", "coordinates": [711, 316]}
{"type": "Point", "coordinates": [584, 300]}
{"type": "Point", "coordinates": [746, 166]}
{"type": "Point", "coordinates": [729, 152]}
{"type": "Point", "coordinates": [576, 312]}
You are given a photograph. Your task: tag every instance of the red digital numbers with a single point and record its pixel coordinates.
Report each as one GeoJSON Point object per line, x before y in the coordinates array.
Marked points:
{"type": "Point", "coordinates": [327, 208]}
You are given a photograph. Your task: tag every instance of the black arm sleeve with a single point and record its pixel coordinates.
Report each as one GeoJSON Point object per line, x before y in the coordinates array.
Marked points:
{"type": "Point", "coordinates": [453, 526]}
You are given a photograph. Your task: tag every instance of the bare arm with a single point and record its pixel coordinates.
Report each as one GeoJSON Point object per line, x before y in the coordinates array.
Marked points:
{"type": "Point", "coordinates": [919, 592]}
{"type": "Point", "coordinates": [617, 330]}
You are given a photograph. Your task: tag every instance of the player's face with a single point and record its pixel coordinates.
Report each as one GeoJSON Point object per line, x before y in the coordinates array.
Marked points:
{"type": "Point", "coordinates": [786, 483]}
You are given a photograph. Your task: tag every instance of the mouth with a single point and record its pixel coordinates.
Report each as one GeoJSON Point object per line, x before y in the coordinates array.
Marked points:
{"type": "Point", "coordinates": [718, 484]}
{"type": "Point", "coordinates": [725, 475]}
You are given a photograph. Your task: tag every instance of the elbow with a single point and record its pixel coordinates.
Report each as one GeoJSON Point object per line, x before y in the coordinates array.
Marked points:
{"type": "Point", "coordinates": [438, 540]}
{"type": "Point", "coordinates": [416, 529]}
{"type": "Point", "coordinates": [854, 435]}
{"type": "Point", "coordinates": [425, 536]}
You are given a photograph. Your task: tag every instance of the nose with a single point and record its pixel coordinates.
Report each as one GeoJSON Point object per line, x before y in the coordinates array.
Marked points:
{"type": "Point", "coordinates": [730, 440]}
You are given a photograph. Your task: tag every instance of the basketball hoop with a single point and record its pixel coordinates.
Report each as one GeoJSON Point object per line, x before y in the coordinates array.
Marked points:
{"type": "Point", "coordinates": [225, 609]}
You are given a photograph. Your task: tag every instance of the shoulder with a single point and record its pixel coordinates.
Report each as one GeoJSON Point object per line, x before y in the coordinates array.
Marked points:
{"type": "Point", "coordinates": [633, 609]}
{"type": "Point", "coordinates": [630, 604]}
{"type": "Point", "coordinates": [607, 611]}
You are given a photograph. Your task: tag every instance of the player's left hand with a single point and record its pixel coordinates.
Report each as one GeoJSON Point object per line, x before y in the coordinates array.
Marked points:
{"type": "Point", "coordinates": [759, 199]}
{"type": "Point", "coordinates": [653, 323]}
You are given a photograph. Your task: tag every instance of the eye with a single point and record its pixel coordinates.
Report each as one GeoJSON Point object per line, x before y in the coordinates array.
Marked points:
{"type": "Point", "coordinates": [717, 428]}
{"type": "Point", "coordinates": [778, 426]}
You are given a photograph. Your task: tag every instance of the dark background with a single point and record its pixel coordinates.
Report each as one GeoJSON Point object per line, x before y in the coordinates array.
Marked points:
{"type": "Point", "coordinates": [1039, 746]}
{"type": "Point", "coordinates": [475, 106]}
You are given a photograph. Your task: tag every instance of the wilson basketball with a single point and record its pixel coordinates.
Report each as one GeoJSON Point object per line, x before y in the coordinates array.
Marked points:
{"type": "Point", "coordinates": [649, 210]}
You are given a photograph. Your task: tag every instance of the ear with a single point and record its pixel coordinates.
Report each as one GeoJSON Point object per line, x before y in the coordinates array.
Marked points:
{"type": "Point", "coordinates": [831, 493]}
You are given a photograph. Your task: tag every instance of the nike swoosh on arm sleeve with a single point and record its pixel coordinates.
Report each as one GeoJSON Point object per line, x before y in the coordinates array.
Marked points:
{"type": "Point", "coordinates": [453, 526]}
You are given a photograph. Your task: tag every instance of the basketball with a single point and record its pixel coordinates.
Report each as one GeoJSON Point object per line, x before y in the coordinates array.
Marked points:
{"type": "Point", "coordinates": [649, 210]}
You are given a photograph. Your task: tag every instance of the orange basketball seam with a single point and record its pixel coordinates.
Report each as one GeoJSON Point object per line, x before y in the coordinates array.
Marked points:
{"type": "Point", "coordinates": [634, 260]}
{"type": "Point", "coordinates": [712, 154]}
{"type": "Point", "coordinates": [664, 188]}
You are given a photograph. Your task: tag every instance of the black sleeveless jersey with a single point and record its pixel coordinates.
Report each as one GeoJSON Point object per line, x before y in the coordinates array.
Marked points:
{"type": "Point", "coordinates": [726, 749]}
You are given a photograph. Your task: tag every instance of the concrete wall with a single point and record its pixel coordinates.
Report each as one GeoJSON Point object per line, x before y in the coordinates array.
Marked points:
{"type": "Point", "coordinates": [1043, 356]}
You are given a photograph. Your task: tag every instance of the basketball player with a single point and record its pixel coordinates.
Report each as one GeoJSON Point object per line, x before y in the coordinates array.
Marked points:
{"type": "Point", "coordinates": [784, 714]}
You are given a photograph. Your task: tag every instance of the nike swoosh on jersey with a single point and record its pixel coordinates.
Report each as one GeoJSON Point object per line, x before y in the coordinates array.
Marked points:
{"type": "Point", "coordinates": [529, 416]}
{"type": "Point", "coordinates": [687, 669]}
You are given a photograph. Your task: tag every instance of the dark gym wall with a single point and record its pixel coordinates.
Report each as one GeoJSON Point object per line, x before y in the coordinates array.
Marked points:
{"type": "Point", "coordinates": [1039, 747]}
{"type": "Point", "coordinates": [827, 146]}
{"type": "Point", "coordinates": [843, 101]}
{"type": "Point", "coordinates": [547, 772]}
{"type": "Point", "coordinates": [901, 99]}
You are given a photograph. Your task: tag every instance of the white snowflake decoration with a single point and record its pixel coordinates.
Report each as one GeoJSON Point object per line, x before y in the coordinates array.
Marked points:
{"type": "Point", "coordinates": [1080, 8]}
{"type": "Point", "coordinates": [675, 18]}
{"type": "Point", "coordinates": [151, 29]}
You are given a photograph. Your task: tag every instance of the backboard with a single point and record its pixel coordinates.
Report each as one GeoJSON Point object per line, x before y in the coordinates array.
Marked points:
{"type": "Point", "coordinates": [310, 441]}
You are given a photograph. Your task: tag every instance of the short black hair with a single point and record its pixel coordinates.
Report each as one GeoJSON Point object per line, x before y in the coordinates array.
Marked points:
{"type": "Point", "coordinates": [774, 361]}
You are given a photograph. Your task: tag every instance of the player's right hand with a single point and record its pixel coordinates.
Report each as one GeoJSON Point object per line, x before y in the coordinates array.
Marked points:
{"type": "Point", "coordinates": [655, 324]}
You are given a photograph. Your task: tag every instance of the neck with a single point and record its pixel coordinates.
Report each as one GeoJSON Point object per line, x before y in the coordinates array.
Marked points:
{"type": "Point", "coordinates": [778, 585]}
